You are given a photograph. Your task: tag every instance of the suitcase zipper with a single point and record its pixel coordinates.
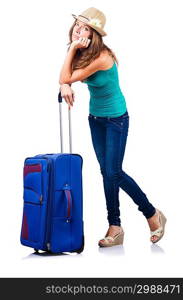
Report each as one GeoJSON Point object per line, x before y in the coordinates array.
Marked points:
{"type": "Point", "coordinates": [49, 195]}
{"type": "Point", "coordinates": [28, 202]}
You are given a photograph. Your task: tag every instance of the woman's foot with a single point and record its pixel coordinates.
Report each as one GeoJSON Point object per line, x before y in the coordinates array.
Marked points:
{"type": "Point", "coordinates": [157, 224]}
{"type": "Point", "coordinates": [114, 236]}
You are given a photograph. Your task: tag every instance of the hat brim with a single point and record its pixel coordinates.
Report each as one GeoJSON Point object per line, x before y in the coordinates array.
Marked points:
{"type": "Point", "coordinates": [99, 30]}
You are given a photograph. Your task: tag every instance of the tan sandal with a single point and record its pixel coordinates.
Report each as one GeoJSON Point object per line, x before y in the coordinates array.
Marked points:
{"type": "Point", "coordinates": [161, 230]}
{"type": "Point", "coordinates": [110, 241]}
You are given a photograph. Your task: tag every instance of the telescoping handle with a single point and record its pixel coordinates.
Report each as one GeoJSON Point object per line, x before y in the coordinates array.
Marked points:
{"type": "Point", "coordinates": [61, 127]}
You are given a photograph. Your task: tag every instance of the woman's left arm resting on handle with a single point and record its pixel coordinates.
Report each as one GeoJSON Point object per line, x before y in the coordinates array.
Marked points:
{"type": "Point", "coordinates": [66, 71]}
{"type": "Point", "coordinates": [66, 74]}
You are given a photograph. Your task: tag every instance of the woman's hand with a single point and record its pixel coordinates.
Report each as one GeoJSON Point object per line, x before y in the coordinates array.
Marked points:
{"type": "Point", "coordinates": [83, 42]}
{"type": "Point", "coordinates": [67, 93]}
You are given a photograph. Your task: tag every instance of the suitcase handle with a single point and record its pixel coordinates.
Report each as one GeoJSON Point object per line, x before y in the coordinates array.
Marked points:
{"type": "Point", "coordinates": [61, 130]}
{"type": "Point", "coordinates": [68, 196]}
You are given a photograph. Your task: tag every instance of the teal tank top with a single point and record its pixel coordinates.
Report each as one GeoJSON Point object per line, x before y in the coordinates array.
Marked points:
{"type": "Point", "coordinates": [106, 97]}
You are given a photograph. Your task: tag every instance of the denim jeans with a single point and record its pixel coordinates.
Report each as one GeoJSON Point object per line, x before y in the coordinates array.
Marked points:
{"type": "Point", "coordinates": [109, 136]}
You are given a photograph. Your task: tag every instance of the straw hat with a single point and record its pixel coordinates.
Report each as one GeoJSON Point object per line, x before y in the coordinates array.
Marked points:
{"type": "Point", "coordinates": [93, 18]}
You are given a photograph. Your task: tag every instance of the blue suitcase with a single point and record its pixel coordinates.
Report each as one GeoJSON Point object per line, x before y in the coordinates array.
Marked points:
{"type": "Point", "coordinates": [53, 200]}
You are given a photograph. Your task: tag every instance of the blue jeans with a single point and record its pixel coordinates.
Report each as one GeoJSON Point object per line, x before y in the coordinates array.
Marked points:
{"type": "Point", "coordinates": [109, 136]}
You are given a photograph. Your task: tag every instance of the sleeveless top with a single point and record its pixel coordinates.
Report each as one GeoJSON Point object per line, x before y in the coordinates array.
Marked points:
{"type": "Point", "coordinates": [106, 97]}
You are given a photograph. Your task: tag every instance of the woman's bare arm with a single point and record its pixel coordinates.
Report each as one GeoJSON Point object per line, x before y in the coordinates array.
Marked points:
{"type": "Point", "coordinates": [66, 74]}
{"type": "Point", "coordinates": [66, 71]}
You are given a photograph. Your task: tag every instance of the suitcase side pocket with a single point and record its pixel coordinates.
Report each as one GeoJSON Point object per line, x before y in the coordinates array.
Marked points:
{"type": "Point", "coordinates": [34, 204]}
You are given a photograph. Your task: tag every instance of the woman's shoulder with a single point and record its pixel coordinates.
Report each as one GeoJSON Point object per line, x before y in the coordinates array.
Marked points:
{"type": "Point", "coordinates": [104, 54]}
{"type": "Point", "coordinates": [107, 60]}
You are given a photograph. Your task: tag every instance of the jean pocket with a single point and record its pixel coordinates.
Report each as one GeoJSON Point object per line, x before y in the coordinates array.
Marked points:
{"type": "Point", "coordinates": [119, 121]}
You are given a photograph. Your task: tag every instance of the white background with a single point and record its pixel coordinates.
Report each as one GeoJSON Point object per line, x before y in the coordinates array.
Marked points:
{"type": "Point", "coordinates": [147, 39]}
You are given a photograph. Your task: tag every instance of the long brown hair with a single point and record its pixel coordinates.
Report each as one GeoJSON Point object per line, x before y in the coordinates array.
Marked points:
{"type": "Point", "coordinates": [85, 57]}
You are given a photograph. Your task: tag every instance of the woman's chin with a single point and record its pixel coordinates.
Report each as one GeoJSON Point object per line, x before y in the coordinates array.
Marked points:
{"type": "Point", "coordinates": [74, 39]}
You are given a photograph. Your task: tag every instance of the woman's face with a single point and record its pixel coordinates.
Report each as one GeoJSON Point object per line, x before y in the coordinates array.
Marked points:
{"type": "Point", "coordinates": [81, 30]}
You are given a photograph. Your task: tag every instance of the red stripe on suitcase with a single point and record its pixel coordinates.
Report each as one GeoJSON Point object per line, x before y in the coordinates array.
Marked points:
{"type": "Point", "coordinates": [32, 168]}
{"type": "Point", "coordinates": [25, 227]}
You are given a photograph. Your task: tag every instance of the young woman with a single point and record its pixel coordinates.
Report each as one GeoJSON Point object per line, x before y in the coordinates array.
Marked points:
{"type": "Point", "coordinates": [90, 61]}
